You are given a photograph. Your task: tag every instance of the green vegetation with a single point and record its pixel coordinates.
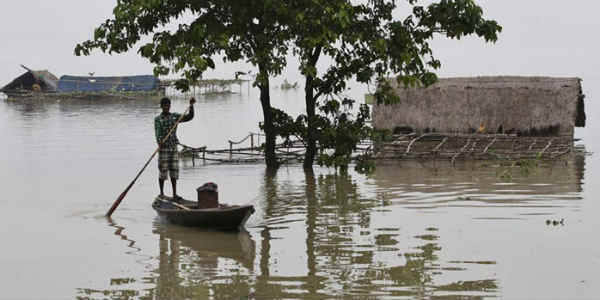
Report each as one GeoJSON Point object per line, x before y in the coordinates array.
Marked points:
{"type": "Point", "coordinates": [253, 31]}
{"type": "Point", "coordinates": [211, 86]}
{"type": "Point", "coordinates": [478, 285]}
{"type": "Point", "coordinates": [369, 98]}
{"type": "Point", "coordinates": [366, 42]}
{"type": "Point", "coordinates": [526, 166]}
{"type": "Point", "coordinates": [363, 40]}
{"type": "Point", "coordinates": [287, 86]}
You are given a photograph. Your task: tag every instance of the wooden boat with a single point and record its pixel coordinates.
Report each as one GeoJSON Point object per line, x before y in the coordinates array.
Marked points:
{"type": "Point", "coordinates": [224, 217]}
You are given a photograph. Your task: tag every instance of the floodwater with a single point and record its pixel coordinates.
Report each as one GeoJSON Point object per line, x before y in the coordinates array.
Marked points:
{"type": "Point", "coordinates": [424, 230]}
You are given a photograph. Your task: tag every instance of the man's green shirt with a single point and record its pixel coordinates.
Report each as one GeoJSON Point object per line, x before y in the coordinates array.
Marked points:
{"type": "Point", "coordinates": [162, 125]}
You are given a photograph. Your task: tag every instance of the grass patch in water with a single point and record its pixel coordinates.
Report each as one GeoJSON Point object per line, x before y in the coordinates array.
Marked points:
{"type": "Point", "coordinates": [478, 285]}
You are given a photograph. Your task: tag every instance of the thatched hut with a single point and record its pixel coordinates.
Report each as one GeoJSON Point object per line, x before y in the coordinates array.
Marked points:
{"type": "Point", "coordinates": [32, 81]}
{"type": "Point", "coordinates": [529, 106]}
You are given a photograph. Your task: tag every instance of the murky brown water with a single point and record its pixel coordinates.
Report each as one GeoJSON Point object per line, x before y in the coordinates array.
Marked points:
{"type": "Point", "coordinates": [411, 230]}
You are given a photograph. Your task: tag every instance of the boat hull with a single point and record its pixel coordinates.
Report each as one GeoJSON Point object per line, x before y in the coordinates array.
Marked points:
{"type": "Point", "coordinates": [221, 218]}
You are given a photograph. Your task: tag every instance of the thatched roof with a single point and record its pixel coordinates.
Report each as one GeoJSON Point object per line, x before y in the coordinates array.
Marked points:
{"type": "Point", "coordinates": [538, 105]}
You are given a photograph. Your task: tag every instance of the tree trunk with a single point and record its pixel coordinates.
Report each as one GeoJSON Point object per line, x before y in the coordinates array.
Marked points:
{"type": "Point", "coordinates": [265, 100]}
{"type": "Point", "coordinates": [311, 103]}
{"type": "Point", "coordinates": [311, 143]}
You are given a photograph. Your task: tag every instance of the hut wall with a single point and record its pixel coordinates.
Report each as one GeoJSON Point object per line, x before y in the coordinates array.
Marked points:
{"type": "Point", "coordinates": [494, 104]}
{"type": "Point", "coordinates": [69, 84]}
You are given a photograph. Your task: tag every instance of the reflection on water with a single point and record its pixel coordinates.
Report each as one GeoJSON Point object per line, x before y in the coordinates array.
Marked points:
{"type": "Point", "coordinates": [345, 255]}
{"type": "Point", "coordinates": [120, 232]}
{"type": "Point", "coordinates": [334, 224]}
{"type": "Point", "coordinates": [434, 185]}
{"type": "Point", "coordinates": [191, 264]}
{"type": "Point", "coordinates": [413, 229]}
{"type": "Point", "coordinates": [121, 288]}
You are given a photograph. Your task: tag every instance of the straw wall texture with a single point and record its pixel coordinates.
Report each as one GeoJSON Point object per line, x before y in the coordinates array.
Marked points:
{"type": "Point", "coordinates": [486, 105]}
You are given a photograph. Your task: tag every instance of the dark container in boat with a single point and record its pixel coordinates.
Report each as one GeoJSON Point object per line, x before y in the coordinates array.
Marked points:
{"type": "Point", "coordinates": [208, 195]}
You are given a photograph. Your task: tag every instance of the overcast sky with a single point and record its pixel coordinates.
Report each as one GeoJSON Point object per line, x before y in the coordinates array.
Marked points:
{"type": "Point", "coordinates": [540, 37]}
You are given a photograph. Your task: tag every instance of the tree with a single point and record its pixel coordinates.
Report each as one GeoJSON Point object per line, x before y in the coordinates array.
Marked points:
{"type": "Point", "coordinates": [323, 29]}
{"type": "Point", "coordinates": [366, 41]}
{"type": "Point", "coordinates": [362, 39]}
{"type": "Point", "coordinates": [252, 30]}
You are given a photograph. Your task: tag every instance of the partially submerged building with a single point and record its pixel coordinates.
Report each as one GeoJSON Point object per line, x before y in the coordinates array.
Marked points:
{"type": "Point", "coordinates": [139, 83]}
{"type": "Point", "coordinates": [32, 81]}
{"type": "Point", "coordinates": [525, 105]}
{"type": "Point", "coordinates": [41, 84]}
{"type": "Point", "coordinates": [481, 115]}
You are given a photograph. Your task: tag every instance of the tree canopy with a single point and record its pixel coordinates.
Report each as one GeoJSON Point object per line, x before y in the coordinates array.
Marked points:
{"type": "Point", "coordinates": [233, 30]}
{"type": "Point", "coordinates": [364, 40]}
{"type": "Point", "coordinates": [252, 30]}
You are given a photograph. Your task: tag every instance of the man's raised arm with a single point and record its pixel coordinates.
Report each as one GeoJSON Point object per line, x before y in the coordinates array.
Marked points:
{"type": "Point", "coordinates": [190, 114]}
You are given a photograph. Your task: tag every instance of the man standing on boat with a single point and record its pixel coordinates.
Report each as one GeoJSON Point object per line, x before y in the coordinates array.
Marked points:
{"type": "Point", "coordinates": [168, 157]}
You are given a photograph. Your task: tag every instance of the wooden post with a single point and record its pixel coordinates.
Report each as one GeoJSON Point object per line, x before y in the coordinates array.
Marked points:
{"type": "Point", "coordinates": [204, 155]}
{"type": "Point", "coordinates": [251, 141]}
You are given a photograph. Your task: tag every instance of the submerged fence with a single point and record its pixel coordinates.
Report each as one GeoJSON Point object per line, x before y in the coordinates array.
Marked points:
{"type": "Point", "coordinates": [236, 153]}
{"type": "Point", "coordinates": [474, 147]}
{"type": "Point", "coordinates": [409, 146]}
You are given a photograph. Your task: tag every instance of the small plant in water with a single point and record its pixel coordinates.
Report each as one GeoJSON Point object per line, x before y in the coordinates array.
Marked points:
{"type": "Point", "coordinates": [527, 166]}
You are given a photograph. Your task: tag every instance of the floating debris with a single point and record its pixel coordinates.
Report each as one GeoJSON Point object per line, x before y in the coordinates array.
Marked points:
{"type": "Point", "coordinates": [555, 222]}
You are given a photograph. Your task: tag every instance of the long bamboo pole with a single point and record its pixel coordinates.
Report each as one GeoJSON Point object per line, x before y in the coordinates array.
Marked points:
{"type": "Point", "coordinates": [120, 198]}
